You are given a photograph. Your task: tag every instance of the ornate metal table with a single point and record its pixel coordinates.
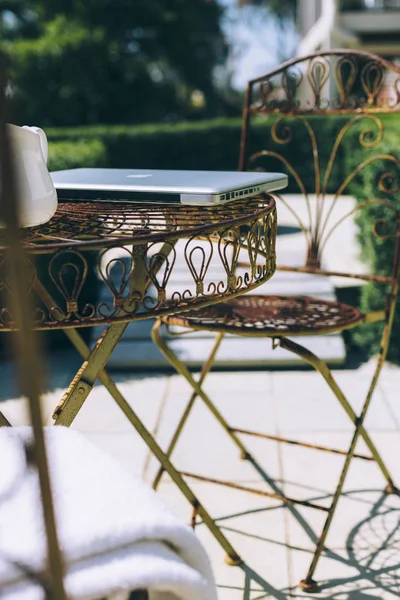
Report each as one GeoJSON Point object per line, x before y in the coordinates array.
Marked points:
{"type": "Point", "coordinates": [139, 241]}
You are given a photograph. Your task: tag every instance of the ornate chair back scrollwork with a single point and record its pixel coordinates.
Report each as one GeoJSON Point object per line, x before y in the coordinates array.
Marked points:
{"type": "Point", "coordinates": [356, 91]}
{"type": "Point", "coordinates": [321, 110]}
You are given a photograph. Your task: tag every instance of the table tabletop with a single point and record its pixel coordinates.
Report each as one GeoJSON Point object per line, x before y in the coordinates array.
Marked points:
{"type": "Point", "coordinates": [131, 247]}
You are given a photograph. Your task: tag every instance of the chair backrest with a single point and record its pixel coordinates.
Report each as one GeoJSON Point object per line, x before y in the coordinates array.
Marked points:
{"type": "Point", "coordinates": [328, 121]}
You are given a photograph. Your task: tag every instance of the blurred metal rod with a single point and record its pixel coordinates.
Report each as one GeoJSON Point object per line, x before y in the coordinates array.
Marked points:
{"type": "Point", "coordinates": [28, 358]}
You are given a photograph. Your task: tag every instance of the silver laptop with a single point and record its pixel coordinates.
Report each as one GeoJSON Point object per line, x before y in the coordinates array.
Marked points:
{"type": "Point", "coordinates": [188, 187]}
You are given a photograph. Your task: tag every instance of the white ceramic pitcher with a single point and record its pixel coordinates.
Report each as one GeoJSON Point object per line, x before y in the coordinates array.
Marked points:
{"type": "Point", "coordinates": [38, 197]}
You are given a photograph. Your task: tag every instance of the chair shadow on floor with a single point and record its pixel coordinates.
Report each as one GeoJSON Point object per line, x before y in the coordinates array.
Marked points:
{"type": "Point", "coordinates": [371, 548]}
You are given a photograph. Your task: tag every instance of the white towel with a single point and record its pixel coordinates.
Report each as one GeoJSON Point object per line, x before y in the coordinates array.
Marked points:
{"type": "Point", "coordinates": [115, 532]}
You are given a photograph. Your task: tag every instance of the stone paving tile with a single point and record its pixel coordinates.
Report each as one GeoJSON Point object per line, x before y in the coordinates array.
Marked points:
{"type": "Point", "coordinates": [275, 541]}
{"type": "Point", "coordinates": [100, 412]}
{"type": "Point", "coordinates": [304, 402]}
{"type": "Point", "coordinates": [309, 468]}
{"type": "Point", "coordinates": [390, 389]}
{"type": "Point", "coordinates": [204, 446]}
{"type": "Point", "coordinates": [205, 449]}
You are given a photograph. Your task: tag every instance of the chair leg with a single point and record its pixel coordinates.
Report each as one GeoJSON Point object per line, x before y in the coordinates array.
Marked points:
{"type": "Point", "coordinates": [309, 584]}
{"type": "Point", "coordinates": [182, 369]}
{"type": "Point", "coordinates": [177, 478]}
{"type": "Point", "coordinates": [323, 369]}
{"type": "Point", "coordinates": [4, 422]}
{"type": "Point", "coordinates": [198, 391]}
{"type": "Point", "coordinates": [203, 374]}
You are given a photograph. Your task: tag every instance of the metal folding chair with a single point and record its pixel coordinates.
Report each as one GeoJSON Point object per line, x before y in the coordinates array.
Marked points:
{"type": "Point", "coordinates": [358, 90]}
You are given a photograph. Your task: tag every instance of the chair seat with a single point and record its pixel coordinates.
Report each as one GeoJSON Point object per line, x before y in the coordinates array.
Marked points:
{"type": "Point", "coordinates": [271, 316]}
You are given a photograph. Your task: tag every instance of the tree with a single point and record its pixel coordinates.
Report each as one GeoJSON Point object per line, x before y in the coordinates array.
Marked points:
{"type": "Point", "coordinates": [108, 61]}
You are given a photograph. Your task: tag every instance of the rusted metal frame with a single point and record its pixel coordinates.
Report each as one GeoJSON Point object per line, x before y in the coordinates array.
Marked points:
{"type": "Point", "coordinates": [245, 488]}
{"type": "Point", "coordinates": [335, 52]}
{"type": "Point", "coordinates": [309, 583]}
{"type": "Point", "coordinates": [207, 366]}
{"type": "Point", "coordinates": [237, 217]}
{"type": "Point", "coordinates": [315, 271]}
{"type": "Point", "coordinates": [374, 315]}
{"type": "Point", "coordinates": [276, 438]}
{"type": "Point", "coordinates": [84, 380]}
{"type": "Point", "coordinates": [384, 279]}
{"type": "Point", "coordinates": [181, 368]}
{"type": "Point", "coordinates": [233, 557]}
{"type": "Point", "coordinates": [4, 422]}
{"type": "Point", "coordinates": [27, 354]}
{"type": "Point", "coordinates": [320, 366]}
{"type": "Point", "coordinates": [322, 111]}
{"type": "Point", "coordinates": [125, 308]}
{"type": "Point", "coordinates": [259, 333]}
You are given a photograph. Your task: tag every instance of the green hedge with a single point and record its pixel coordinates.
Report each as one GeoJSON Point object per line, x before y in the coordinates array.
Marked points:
{"type": "Point", "coordinates": [209, 145]}
{"type": "Point", "coordinates": [377, 252]}
{"type": "Point", "coordinates": [70, 155]}
{"type": "Point", "coordinates": [200, 145]}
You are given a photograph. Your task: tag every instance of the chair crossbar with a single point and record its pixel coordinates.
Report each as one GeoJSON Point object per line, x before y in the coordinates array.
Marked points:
{"type": "Point", "coordinates": [297, 443]}
{"type": "Point", "coordinates": [255, 491]}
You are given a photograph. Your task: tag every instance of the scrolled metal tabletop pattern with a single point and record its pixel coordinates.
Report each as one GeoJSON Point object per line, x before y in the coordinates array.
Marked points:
{"type": "Point", "coordinates": [97, 225]}
{"type": "Point", "coordinates": [133, 250]}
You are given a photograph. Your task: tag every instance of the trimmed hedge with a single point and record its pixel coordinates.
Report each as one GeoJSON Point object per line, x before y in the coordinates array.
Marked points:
{"type": "Point", "coordinates": [199, 145]}
{"type": "Point", "coordinates": [377, 252]}
{"type": "Point", "coordinates": [208, 145]}
{"type": "Point", "coordinates": [70, 155]}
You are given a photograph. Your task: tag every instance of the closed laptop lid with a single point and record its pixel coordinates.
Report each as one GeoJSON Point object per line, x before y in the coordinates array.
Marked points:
{"type": "Point", "coordinates": [165, 181]}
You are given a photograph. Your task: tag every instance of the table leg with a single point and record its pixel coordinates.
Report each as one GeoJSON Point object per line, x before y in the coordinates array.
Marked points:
{"type": "Point", "coordinates": [79, 390]}
{"type": "Point", "coordinates": [232, 557]}
{"type": "Point", "coordinates": [4, 422]}
{"type": "Point", "coordinates": [84, 380]}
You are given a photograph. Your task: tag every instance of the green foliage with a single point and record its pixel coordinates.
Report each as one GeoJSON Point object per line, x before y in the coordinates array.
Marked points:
{"type": "Point", "coordinates": [377, 250]}
{"type": "Point", "coordinates": [108, 61]}
{"type": "Point", "coordinates": [194, 145]}
{"type": "Point", "coordinates": [209, 144]}
{"type": "Point", "coordinates": [71, 155]}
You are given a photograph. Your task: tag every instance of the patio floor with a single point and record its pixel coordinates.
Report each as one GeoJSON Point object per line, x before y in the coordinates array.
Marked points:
{"type": "Point", "coordinates": [363, 560]}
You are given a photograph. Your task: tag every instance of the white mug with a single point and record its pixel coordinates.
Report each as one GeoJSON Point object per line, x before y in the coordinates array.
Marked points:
{"type": "Point", "coordinates": [38, 197]}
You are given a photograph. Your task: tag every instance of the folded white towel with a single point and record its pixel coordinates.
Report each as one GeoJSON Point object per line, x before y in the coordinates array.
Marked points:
{"type": "Point", "coordinates": [115, 532]}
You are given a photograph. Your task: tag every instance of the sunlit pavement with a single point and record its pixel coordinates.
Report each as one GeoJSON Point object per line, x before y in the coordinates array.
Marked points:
{"type": "Point", "coordinates": [276, 542]}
